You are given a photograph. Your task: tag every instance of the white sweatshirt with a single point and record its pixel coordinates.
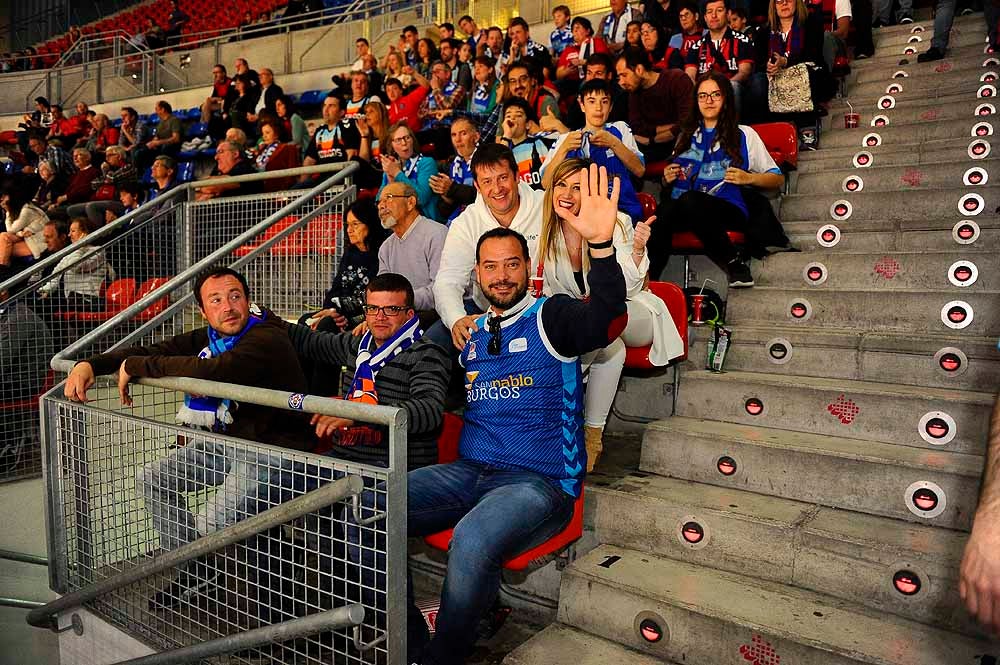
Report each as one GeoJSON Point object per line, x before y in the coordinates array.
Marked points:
{"type": "Point", "coordinates": [458, 259]}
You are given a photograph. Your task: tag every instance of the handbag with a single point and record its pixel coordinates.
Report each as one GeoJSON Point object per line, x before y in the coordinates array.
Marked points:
{"type": "Point", "coordinates": [788, 91]}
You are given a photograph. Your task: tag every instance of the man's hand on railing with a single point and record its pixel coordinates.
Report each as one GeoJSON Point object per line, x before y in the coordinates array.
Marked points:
{"type": "Point", "coordinates": [327, 425]}
{"type": "Point", "coordinates": [78, 382]}
{"type": "Point", "coordinates": [123, 380]}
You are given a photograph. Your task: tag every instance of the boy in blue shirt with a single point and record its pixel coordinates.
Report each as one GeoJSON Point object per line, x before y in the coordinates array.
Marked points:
{"type": "Point", "coordinates": [562, 36]}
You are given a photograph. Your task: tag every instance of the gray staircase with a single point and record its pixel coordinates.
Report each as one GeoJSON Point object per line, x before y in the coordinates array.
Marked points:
{"type": "Point", "coordinates": [810, 505]}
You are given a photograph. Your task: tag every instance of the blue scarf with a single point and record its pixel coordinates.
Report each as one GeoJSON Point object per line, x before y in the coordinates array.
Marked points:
{"type": "Point", "coordinates": [370, 363]}
{"type": "Point", "coordinates": [212, 413]}
{"type": "Point", "coordinates": [628, 201]}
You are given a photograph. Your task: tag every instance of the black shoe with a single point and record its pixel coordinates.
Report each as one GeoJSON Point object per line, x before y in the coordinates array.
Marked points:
{"type": "Point", "coordinates": [739, 275]}
{"type": "Point", "coordinates": [183, 589]}
{"type": "Point", "coordinates": [879, 24]}
{"type": "Point", "coordinates": [930, 55]}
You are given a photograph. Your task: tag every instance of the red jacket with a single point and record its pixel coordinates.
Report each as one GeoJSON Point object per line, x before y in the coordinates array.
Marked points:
{"type": "Point", "coordinates": [407, 108]}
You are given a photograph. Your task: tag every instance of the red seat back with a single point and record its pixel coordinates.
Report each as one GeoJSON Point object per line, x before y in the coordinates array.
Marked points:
{"type": "Point", "coordinates": [686, 242]}
{"type": "Point", "coordinates": [782, 141]}
{"type": "Point", "coordinates": [145, 289]}
{"type": "Point", "coordinates": [637, 357]}
{"type": "Point", "coordinates": [648, 204]}
{"type": "Point", "coordinates": [451, 429]}
{"type": "Point", "coordinates": [120, 294]}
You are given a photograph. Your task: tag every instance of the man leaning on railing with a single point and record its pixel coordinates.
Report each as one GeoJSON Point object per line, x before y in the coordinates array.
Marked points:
{"type": "Point", "coordinates": [242, 344]}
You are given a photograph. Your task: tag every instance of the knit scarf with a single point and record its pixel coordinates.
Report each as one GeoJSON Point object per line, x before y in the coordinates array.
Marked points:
{"type": "Point", "coordinates": [212, 413]}
{"type": "Point", "coordinates": [369, 364]}
{"type": "Point", "coordinates": [788, 46]}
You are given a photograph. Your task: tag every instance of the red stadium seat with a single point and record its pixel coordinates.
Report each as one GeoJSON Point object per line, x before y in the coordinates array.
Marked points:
{"type": "Point", "coordinates": [119, 295]}
{"type": "Point", "coordinates": [637, 357]}
{"type": "Point", "coordinates": [782, 142]}
{"type": "Point", "coordinates": [448, 452]}
{"type": "Point", "coordinates": [158, 306]}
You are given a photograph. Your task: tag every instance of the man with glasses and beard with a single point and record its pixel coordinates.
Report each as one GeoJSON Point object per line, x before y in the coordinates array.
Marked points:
{"type": "Point", "coordinates": [521, 454]}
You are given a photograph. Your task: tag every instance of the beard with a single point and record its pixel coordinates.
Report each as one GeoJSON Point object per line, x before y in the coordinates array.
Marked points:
{"type": "Point", "coordinates": [388, 222]}
{"type": "Point", "coordinates": [505, 302]}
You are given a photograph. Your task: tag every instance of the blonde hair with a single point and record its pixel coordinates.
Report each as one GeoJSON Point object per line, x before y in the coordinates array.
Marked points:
{"type": "Point", "coordinates": [551, 223]}
{"type": "Point", "coordinates": [382, 134]}
{"type": "Point", "coordinates": [801, 13]}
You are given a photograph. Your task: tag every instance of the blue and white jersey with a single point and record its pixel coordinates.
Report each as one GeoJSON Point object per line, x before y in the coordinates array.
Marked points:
{"type": "Point", "coordinates": [524, 405]}
{"type": "Point", "coordinates": [560, 39]}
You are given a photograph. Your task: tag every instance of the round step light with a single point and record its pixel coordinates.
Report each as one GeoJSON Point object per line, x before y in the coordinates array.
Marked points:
{"type": "Point", "coordinates": [937, 428]}
{"type": "Point", "coordinates": [692, 533]}
{"type": "Point", "coordinates": [957, 314]}
{"type": "Point", "coordinates": [986, 109]}
{"type": "Point", "coordinates": [925, 499]}
{"type": "Point", "coordinates": [828, 235]}
{"type": "Point", "coordinates": [800, 310]}
{"type": "Point", "coordinates": [979, 149]}
{"type": "Point", "coordinates": [991, 62]}
{"type": "Point", "coordinates": [779, 350]}
{"type": "Point", "coordinates": [963, 273]}
{"type": "Point", "coordinates": [971, 205]}
{"type": "Point", "coordinates": [951, 361]}
{"type": "Point", "coordinates": [754, 406]}
{"type": "Point", "coordinates": [917, 28]}
{"type": "Point", "coordinates": [986, 91]}
{"type": "Point", "coordinates": [852, 183]}
{"type": "Point", "coordinates": [871, 140]}
{"type": "Point", "coordinates": [651, 628]}
{"type": "Point", "coordinates": [906, 582]}
{"type": "Point", "coordinates": [900, 74]}
{"type": "Point", "coordinates": [965, 232]}
{"type": "Point", "coordinates": [975, 176]}
{"type": "Point", "coordinates": [987, 49]}
{"type": "Point", "coordinates": [909, 50]}
{"type": "Point", "coordinates": [981, 129]}
{"type": "Point", "coordinates": [841, 210]}
{"type": "Point", "coordinates": [863, 160]}
{"type": "Point", "coordinates": [886, 102]}
{"type": "Point", "coordinates": [815, 274]}
{"type": "Point", "coordinates": [988, 77]}
{"type": "Point", "coordinates": [726, 465]}
{"type": "Point", "coordinates": [880, 121]}
{"type": "Point", "coordinates": [894, 88]}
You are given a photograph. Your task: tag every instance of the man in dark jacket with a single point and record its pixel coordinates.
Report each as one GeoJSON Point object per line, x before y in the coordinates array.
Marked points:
{"type": "Point", "coordinates": [242, 344]}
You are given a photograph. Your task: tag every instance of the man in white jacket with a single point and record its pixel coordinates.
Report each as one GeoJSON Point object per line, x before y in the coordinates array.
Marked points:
{"type": "Point", "coordinates": [501, 201]}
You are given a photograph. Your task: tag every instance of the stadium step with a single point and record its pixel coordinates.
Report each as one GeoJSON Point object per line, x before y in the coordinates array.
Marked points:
{"type": "Point", "coordinates": [849, 555]}
{"type": "Point", "coordinates": [937, 487]}
{"type": "Point", "coordinates": [892, 178]}
{"type": "Point", "coordinates": [870, 237]}
{"type": "Point", "coordinates": [959, 268]}
{"type": "Point", "coordinates": [966, 108]}
{"type": "Point", "coordinates": [922, 311]}
{"type": "Point", "coordinates": [844, 208]}
{"type": "Point", "coordinates": [679, 611]}
{"type": "Point", "coordinates": [559, 644]}
{"type": "Point", "coordinates": [942, 69]}
{"type": "Point", "coordinates": [969, 35]}
{"type": "Point", "coordinates": [892, 135]}
{"type": "Point", "coordinates": [915, 417]}
{"type": "Point", "coordinates": [905, 90]}
{"type": "Point", "coordinates": [936, 361]}
{"type": "Point", "coordinates": [905, 154]}
{"type": "Point", "coordinates": [891, 56]}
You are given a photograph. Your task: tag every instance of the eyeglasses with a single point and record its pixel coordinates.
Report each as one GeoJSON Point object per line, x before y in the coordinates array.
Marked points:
{"type": "Point", "coordinates": [402, 139]}
{"type": "Point", "coordinates": [387, 310]}
{"type": "Point", "coordinates": [389, 197]}
{"type": "Point", "coordinates": [705, 96]}
{"type": "Point", "coordinates": [493, 348]}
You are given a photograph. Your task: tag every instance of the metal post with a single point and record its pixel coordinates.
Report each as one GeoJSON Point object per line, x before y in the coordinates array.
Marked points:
{"type": "Point", "coordinates": [395, 550]}
{"type": "Point", "coordinates": [80, 470]}
{"type": "Point", "coordinates": [55, 514]}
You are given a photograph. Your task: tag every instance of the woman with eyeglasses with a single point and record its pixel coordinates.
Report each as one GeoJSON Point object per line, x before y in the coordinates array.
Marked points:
{"type": "Point", "coordinates": [363, 236]}
{"type": "Point", "coordinates": [402, 162]}
{"type": "Point", "coordinates": [563, 264]}
{"type": "Point", "coordinates": [714, 158]}
{"type": "Point", "coordinates": [373, 125]}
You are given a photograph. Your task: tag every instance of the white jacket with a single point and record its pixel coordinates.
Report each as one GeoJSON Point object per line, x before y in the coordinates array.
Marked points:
{"type": "Point", "coordinates": [32, 219]}
{"type": "Point", "coordinates": [458, 259]}
{"type": "Point", "coordinates": [558, 278]}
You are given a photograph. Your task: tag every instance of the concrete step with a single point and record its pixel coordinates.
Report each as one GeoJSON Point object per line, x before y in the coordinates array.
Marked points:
{"type": "Point", "coordinates": [905, 115]}
{"type": "Point", "coordinates": [848, 474]}
{"type": "Point", "coordinates": [904, 90]}
{"type": "Point", "coordinates": [876, 310]}
{"type": "Point", "coordinates": [848, 555]}
{"type": "Point", "coordinates": [842, 209]}
{"type": "Point", "coordinates": [903, 416]}
{"type": "Point", "coordinates": [867, 137]}
{"type": "Point", "coordinates": [804, 235]}
{"type": "Point", "coordinates": [937, 361]}
{"type": "Point", "coordinates": [948, 151]}
{"type": "Point", "coordinates": [923, 18]}
{"type": "Point", "coordinates": [906, 100]}
{"type": "Point", "coordinates": [969, 36]}
{"type": "Point", "coordinates": [960, 270]}
{"type": "Point", "coordinates": [559, 644]}
{"type": "Point", "coordinates": [708, 617]}
{"type": "Point", "coordinates": [891, 56]}
{"type": "Point", "coordinates": [894, 178]}
{"type": "Point", "coordinates": [940, 69]}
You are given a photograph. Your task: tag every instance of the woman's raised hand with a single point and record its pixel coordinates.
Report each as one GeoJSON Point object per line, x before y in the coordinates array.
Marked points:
{"type": "Point", "coordinates": [598, 206]}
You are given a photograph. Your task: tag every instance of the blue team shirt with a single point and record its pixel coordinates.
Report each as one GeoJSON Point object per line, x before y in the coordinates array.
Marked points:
{"type": "Point", "coordinates": [524, 406]}
{"type": "Point", "coordinates": [560, 39]}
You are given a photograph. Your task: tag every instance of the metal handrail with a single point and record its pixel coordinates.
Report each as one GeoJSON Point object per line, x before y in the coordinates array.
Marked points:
{"type": "Point", "coordinates": [310, 502]}
{"type": "Point", "coordinates": [340, 617]}
{"type": "Point", "coordinates": [23, 557]}
{"type": "Point", "coordinates": [19, 603]}
{"type": "Point", "coordinates": [179, 192]}
{"type": "Point", "coordinates": [343, 171]}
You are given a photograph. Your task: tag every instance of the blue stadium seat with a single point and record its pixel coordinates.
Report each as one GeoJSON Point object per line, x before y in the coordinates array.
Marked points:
{"type": "Point", "coordinates": [116, 123]}
{"type": "Point", "coordinates": [185, 172]}
{"type": "Point", "coordinates": [152, 119]}
{"type": "Point", "coordinates": [147, 176]}
{"type": "Point", "coordinates": [312, 98]}
{"type": "Point", "coordinates": [197, 129]}
{"type": "Point", "coordinates": [192, 113]}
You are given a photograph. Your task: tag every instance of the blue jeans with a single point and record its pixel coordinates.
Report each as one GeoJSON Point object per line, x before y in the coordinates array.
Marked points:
{"type": "Point", "coordinates": [496, 515]}
{"type": "Point", "coordinates": [882, 11]}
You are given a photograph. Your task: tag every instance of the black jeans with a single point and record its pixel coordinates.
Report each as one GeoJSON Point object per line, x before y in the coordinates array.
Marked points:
{"type": "Point", "coordinates": [708, 217]}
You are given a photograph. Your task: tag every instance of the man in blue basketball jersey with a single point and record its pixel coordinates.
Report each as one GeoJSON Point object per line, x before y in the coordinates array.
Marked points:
{"type": "Point", "coordinates": [521, 454]}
